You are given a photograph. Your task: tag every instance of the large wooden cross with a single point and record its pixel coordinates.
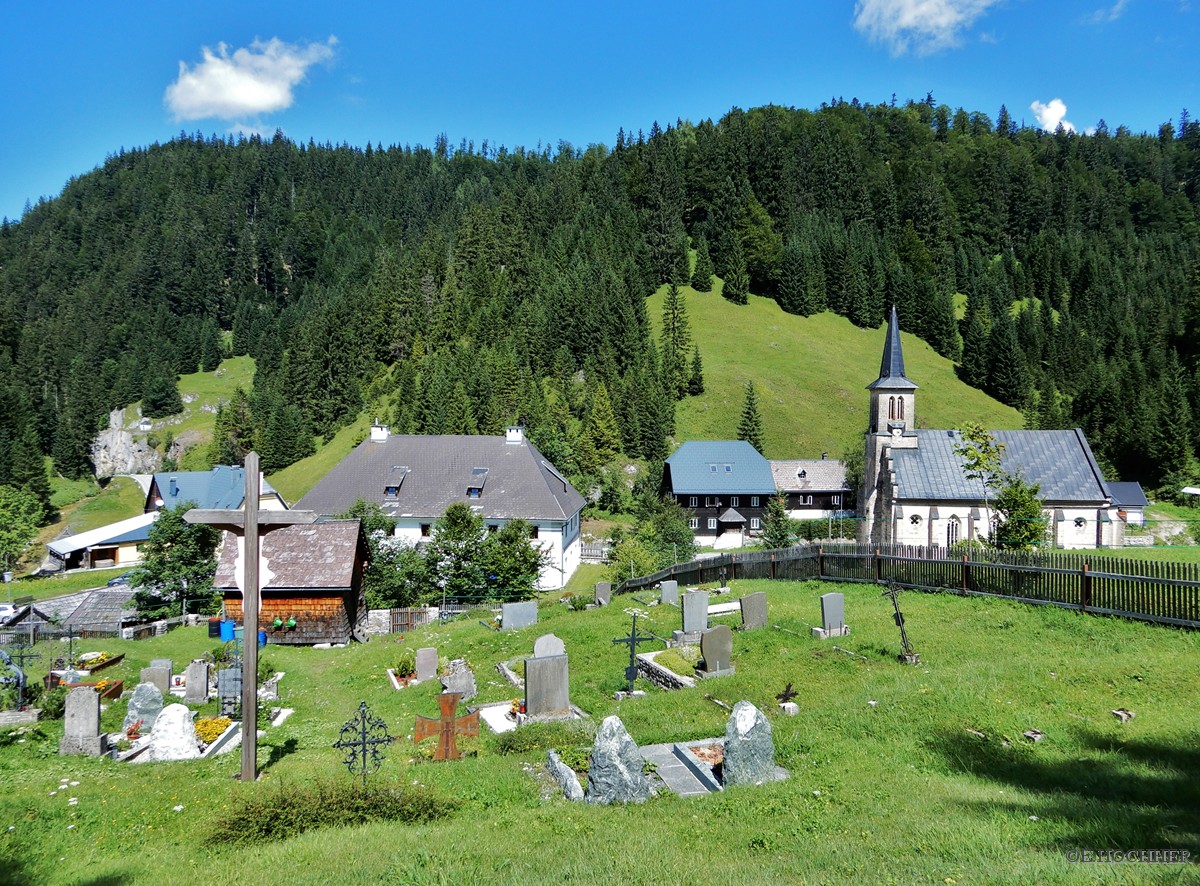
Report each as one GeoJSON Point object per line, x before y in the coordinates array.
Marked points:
{"type": "Point", "coordinates": [447, 727]}
{"type": "Point", "coordinates": [249, 523]}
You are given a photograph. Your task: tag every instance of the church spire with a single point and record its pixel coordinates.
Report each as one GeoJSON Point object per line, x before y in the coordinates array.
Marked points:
{"type": "Point", "coordinates": [891, 368]}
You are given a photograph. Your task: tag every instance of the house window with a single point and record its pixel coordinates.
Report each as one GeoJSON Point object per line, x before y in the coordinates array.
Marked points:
{"type": "Point", "coordinates": [837, 500]}
{"type": "Point", "coordinates": [733, 502]}
{"type": "Point", "coordinates": [1080, 522]}
{"type": "Point", "coordinates": [952, 530]}
{"type": "Point", "coordinates": [533, 532]}
{"type": "Point", "coordinates": [492, 527]}
{"type": "Point", "coordinates": [708, 502]}
{"type": "Point", "coordinates": [754, 501]}
{"type": "Point", "coordinates": [425, 527]}
{"type": "Point", "coordinates": [712, 468]}
{"type": "Point", "coordinates": [754, 523]}
{"type": "Point", "coordinates": [694, 523]}
{"type": "Point", "coordinates": [474, 492]}
{"type": "Point", "coordinates": [391, 491]}
{"type": "Point", "coordinates": [805, 499]}
{"type": "Point", "coordinates": [693, 501]}
{"type": "Point", "coordinates": [712, 522]}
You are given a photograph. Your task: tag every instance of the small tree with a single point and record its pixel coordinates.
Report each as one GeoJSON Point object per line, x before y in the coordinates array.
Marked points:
{"type": "Point", "coordinates": [1022, 524]}
{"type": "Point", "coordinates": [750, 427]}
{"type": "Point", "coordinates": [703, 272]}
{"type": "Point", "coordinates": [20, 516]}
{"type": "Point", "coordinates": [778, 529]}
{"type": "Point", "coordinates": [981, 454]}
{"type": "Point", "coordinates": [177, 564]}
{"type": "Point", "coordinates": [396, 576]}
{"type": "Point", "coordinates": [454, 556]}
{"type": "Point", "coordinates": [513, 562]}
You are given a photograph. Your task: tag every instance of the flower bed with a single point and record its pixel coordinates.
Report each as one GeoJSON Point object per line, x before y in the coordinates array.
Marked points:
{"type": "Point", "coordinates": [106, 663]}
{"type": "Point", "coordinates": [108, 689]}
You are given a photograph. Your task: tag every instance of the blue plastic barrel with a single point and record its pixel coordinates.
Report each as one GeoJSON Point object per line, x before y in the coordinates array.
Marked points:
{"type": "Point", "coordinates": [226, 631]}
{"type": "Point", "coordinates": [262, 639]}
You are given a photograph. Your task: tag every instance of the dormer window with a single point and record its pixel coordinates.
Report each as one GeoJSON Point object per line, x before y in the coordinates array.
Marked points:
{"type": "Point", "coordinates": [803, 473]}
{"type": "Point", "coordinates": [728, 469]}
{"type": "Point", "coordinates": [391, 491]}
{"type": "Point", "coordinates": [712, 468]}
{"type": "Point", "coordinates": [476, 483]}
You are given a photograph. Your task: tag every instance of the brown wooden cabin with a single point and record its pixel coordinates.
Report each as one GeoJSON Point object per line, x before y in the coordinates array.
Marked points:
{"type": "Point", "coordinates": [316, 581]}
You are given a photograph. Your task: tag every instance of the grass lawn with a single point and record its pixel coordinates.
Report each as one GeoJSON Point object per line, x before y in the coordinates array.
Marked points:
{"type": "Point", "coordinates": [810, 374]}
{"type": "Point", "coordinates": [899, 774]}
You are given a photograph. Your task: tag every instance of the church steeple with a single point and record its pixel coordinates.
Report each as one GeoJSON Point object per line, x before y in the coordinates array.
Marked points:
{"type": "Point", "coordinates": [893, 394]}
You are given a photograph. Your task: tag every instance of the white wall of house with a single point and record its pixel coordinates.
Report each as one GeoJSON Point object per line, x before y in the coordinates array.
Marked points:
{"type": "Point", "coordinates": [941, 524]}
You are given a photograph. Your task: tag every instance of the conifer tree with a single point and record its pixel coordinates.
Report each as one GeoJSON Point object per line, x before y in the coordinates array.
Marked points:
{"type": "Point", "coordinates": [702, 274]}
{"type": "Point", "coordinates": [750, 427]}
{"type": "Point", "coordinates": [676, 339]}
{"type": "Point", "coordinates": [29, 472]}
{"type": "Point", "coordinates": [778, 529]}
{"type": "Point", "coordinates": [600, 429]}
{"type": "Point", "coordinates": [696, 379]}
{"type": "Point", "coordinates": [737, 283]}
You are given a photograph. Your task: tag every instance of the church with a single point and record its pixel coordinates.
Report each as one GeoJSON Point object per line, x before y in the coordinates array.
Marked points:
{"type": "Point", "coordinates": [915, 491]}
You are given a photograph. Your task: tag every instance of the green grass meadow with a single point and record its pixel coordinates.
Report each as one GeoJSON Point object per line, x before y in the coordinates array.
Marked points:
{"type": "Point", "coordinates": [899, 774]}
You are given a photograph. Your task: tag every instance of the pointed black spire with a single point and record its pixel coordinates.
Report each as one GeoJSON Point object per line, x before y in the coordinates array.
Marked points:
{"type": "Point", "coordinates": [891, 368]}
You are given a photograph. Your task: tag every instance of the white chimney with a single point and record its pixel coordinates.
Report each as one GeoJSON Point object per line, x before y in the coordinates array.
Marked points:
{"type": "Point", "coordinates": [379, 433]}
{"type": "Point", "coordinates": [514, 434]}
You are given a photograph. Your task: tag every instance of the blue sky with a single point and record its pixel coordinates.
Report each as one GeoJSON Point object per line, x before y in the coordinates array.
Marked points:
{"type": "Point", "coordinates": [84, 79]}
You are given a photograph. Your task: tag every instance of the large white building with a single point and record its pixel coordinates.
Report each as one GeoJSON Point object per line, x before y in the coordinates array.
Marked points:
{"type": "Point", "coordinates": [915, 490]}
{"type": "Point", "coordinates": [414, 478]}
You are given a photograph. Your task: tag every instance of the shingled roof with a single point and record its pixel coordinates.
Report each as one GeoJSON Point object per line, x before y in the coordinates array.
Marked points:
{"type": "Point", "coordinates": [1059, 462]}
{"type": "Point", "coordinates": [808, 474]}
{"type": "Point", "coordinates": [718, 467]}
{"type": "Point", "coordinates": [314, 556]}
{"type": "Point", "coordinates": [419, 476]}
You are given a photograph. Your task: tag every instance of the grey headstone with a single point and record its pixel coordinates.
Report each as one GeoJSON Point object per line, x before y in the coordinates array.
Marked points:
{"type": "Point", "coordinates": [547, 688]}
{"type": "Point", "coordinates": [195, 678]}
{"type": "Point", "coordinates": [547, 645]}
{"type": "Point", "coordinates": [81, 723]}
{"type": "Point", "coordinates": [716, 648]}
{"type": "Point", "coordinates": [427, 663]}
{"type": "Point", "coordinates": [615, 772]}
{"type": "Point", "coordinates": [754, 610]}
{"type": "Point", "coordinates": [514, 616]}
{"type": "Point", "coordinates": [460, 678]}
{"type": "Point", "coordinates": [145, 704]}
{"type": "Point", "coordinates": [695, 612]}
{"type": "Point", "coordinates": [749, 747]}
{"type": "Point", "coordinates": [833, 612]}
{"type": "Point", "coordinates": [229, 683]}
{"type": "Point", "coordinates": [668, 592]}
{"type": "Point", "coordinates": [564, 775]}
{"type": "Point", "coordinates": [603, 593]}
{"type": "Point", "coordinates": [173, 736]}
{"type": "Point", "coordinates": [160, 677]}
{"type": "Point", "coordinates": [163, 663]}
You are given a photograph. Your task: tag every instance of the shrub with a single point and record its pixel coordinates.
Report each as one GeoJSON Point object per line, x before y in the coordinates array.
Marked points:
{"type": "Point", "coordinates": [291, 809]}
{"type": "Point", "coordinates": [577, 603]}
{"type": "Point", "coordinates": [266, 669]}
{"type": "Point", "coordinates": [406, 664]}
{"type": "Point", "coordinates": [209, 729]}
{"type": "Point", "coordinates": [54, 702]}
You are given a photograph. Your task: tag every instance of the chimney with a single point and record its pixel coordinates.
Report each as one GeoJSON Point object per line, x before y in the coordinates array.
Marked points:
{"type": "Point", "coordinates": [379, 433]}
{"type": "Point", "coordinates": [514, 434]}
{"type": "Point", "coordinates": [174, 488]}
{"type": "Point", "coordinates": [824, 455]}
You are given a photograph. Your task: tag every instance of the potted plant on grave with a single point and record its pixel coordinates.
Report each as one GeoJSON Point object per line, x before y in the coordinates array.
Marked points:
{"type": "Point", "coordinates": [405, 668]}
{"type": "Point", "coordinates": [134, 730]}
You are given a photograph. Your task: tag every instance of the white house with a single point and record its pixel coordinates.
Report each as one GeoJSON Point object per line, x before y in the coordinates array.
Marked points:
{"type": "Point", "coordinates": [414, 478]}
{"type": "Point", "coordinates": [915, 490]}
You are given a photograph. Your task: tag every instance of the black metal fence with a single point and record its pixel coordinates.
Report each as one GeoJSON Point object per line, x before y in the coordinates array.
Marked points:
{"type": "Point", "coordinates": [1147, 590]}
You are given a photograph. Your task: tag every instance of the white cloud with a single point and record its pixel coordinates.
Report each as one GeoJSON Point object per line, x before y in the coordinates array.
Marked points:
{"type": "Point", "coordinates": [254, 80]}
{"type": "Point", "coordinates": [924, 26]}
{"type": "Point", "coordinates": [1109, 13]}
{"type": "Point", "coordinates": [1051, 114]}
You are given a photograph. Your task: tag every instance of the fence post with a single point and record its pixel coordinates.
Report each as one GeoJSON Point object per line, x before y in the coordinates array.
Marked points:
{"type": "Point", "coordinates": [966, 574]}
{"type": "Point", "coordinates": [878, 566]}
{"type": "Point", "coordinates": [732, 568]}
{"type": "Point", "coordinates": [820, 562]}
{"type": "Point", "coordinates": [1085, 588]}
{"type": "Point", "coordinates": [772, 565]}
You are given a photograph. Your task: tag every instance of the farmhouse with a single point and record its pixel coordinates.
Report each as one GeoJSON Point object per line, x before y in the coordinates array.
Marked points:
{"type": "Point", "coordinates": [813, 488]}
{"type": "Point", "coordinates": [414, 478]}
{"type": "Point", "coordinates": [723, 484]}
{"type": "Point", "coordinates": [916, 492]}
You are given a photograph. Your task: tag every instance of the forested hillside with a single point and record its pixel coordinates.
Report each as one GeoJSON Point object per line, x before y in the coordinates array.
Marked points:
{"type": "Point", "coordinates": [467, 288]}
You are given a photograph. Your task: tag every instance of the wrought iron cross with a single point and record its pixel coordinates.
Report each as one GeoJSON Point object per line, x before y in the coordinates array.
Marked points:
{"type": "Point", "coordinates": [447, 727]}
{"type": "Point", "coordinates": [893, 592]}
{"type": "Point", "coordinates": [787, 695]}
{"type": "Point", "coordinates": [362, 740]}
{"type": "Point", "coordinates": [632, 641]}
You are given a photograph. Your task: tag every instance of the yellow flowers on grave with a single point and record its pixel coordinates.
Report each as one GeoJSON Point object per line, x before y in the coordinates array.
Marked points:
{"type": "Point", "coordinates": [209, 729]}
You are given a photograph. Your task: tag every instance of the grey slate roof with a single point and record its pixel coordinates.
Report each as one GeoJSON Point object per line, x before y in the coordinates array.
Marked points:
{"type": "Point", "coordinates": [820, 474]}
{"type": "Point", "coordinates": [718, 467]}
{"type": "Point", "coordinates": [1060, 462]}
{"type": "Point", "coordinates": [1128, 495]}
{"type": "Point", "coordinates": [103, 609]}
{"type": "Point", "coordinates": [891, 369]}
{"type": "Point", "coordinates": [301, 556]}
{"type": "Point", "coordinates": [434, 471]}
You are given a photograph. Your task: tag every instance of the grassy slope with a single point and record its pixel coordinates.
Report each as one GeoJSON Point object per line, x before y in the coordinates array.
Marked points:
{"type": "Point", "coordinates": [810, 374]}
{"type": "Point", "coordinates": [295, 480]}
{"type": "Point", "coordinates": [897, 791]}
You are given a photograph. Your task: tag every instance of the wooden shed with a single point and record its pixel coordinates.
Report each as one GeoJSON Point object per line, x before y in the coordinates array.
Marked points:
{"type": "Point", "coordinates": [314, 593]}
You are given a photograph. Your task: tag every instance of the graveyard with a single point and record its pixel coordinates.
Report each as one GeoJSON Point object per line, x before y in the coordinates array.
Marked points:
{"type": "Point", "coordinates": [988, 756]}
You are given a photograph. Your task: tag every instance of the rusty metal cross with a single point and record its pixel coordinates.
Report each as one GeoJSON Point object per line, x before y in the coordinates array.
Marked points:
{"type": "Point", "coordinates": [447, 727]}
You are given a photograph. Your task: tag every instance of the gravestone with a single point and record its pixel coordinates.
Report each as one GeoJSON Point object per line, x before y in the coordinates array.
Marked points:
{"type": "Point", "coordinates": [615, 771]}
{"type": "Point", "coordinates": [427, 663]}
{"type": "Point", "coordinates": [668, 592]}
{"type": "Point", "coordinates": [81, 723]}
{"type": "Point", "coordinates": [547, 690]}
{"type": "Point", "coordinates": [603, 593]}
{"type": "Point", "coordinates": [145, 704]}
{"type": "Point", "coordinates": [195, 678]}
{"type": "Point", "coordinates": [749, 747]}
{"type": "Point", "coordinates": [160, 677]}
{"type": "Point", "coordinates": [695, 615]}
{"type": "Point", "coordinates": [163, 663]}
{"type": "Point", "coordinates": [514, 616]}
{"type": "Point", "coordinates": [547, 645]}
{"type": "Point", "coordinates": [173, 736]}
{"type": "Point", "coordinates": [833, 619]}
{"type": "Point", "coordinates": [229, 690]}
{"type": "Point", "coordinates": [716, 648]}
{"type": "Point", "coordinates": [460, 678]}
{"type": "Point", "coordinates": [754, 611]}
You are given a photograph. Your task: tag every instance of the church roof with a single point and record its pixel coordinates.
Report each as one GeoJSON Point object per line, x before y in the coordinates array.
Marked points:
{"type": "Point", "coordinates": [1128, 495]}
{"type": "Point", "coordinates": [891, 368]}
{"type": "Point", "coordinates": [1059, 462]}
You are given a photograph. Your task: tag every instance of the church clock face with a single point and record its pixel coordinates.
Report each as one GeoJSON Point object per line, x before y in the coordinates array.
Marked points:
{"type": "Point", "coordinates": [896, 432]}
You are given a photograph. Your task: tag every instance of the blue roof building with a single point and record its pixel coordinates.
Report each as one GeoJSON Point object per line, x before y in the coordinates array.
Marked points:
{"type": "Point", "coordinates": [724, 484]}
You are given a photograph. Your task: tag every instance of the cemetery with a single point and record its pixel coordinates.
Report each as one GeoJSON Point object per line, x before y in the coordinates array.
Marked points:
{"type": "Point", "coordinates": [804, 751]}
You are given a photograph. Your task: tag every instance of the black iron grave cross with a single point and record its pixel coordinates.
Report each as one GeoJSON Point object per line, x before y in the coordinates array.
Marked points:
{"type": "Point", "coordinates": [787, 695]}
{"type": "Point", "coordinates": [363, 738]}
{"type": "Point", "coordinates": [632, 641]}
{"type": "Point", "coordinates": [908, 655]}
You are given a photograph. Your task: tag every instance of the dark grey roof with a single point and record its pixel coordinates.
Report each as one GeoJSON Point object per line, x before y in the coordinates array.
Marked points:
{"type": "Point", "coordinates": [301, 556]}
{"type": "Point", "coordinates": [808, 474]}
{"type": "Point", "coordinates": [434, 472]}
{"type": "Point", "coordinates": [720, 467]}
{"type": "Point", "coordinates": [731, 516]}
{"type": "Point", "coordinates": [1060, 462]}
{"type": "Point", "coordinates": [103, 609]}
{"type": "Point", "coordinates": [891, 368]}
{"type": "Point", "coordinates": [1128, 495]}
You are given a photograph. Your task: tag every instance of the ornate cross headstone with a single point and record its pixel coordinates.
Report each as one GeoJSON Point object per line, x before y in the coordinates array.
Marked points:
{"type": "Point", "coordinates": [249, 524]}
{"type": "Point", "coordinates": [363, 739]}
{"type": "Point", "coordinates": [788, 694]}
{"type": "Point", "coordinates": [22, 655]}
{"type": "Point", "coordinates": [447, 727]}
{"type": "Point", "coordinates": [632, 641]}
{"type": "Point", "coordinates": [908, 655]}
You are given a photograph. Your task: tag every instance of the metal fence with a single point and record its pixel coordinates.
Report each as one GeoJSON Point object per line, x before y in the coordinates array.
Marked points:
{"type": "Point", "coordinates": [1146, 590]}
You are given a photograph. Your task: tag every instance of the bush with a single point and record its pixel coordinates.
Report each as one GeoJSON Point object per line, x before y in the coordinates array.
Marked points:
{"type": "Point", "coordinates": [537, 737]}
{"type": "Point", "coordinates": [291, 809]}
{"type": "Point", "coordinates": [266, 669]}
{"type": "Point", "coordinates": [577, 603]}
{"type": "Point", "coordinates": [54, 702]}
{"type": "Point", "coordinates": [406, 664]}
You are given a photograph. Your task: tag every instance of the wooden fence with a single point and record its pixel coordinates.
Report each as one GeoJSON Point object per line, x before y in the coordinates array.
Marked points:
{"type": "Point", "coordinates": [1147, 590]}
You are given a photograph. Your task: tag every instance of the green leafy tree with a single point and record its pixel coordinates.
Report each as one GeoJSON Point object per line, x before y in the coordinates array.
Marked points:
{"type": "Point", "coordinates": [778, 529]}
{"type": "Point", "coordinates": [750, 428]}
{"type": "Point", "coordinates": [455, 554]}
{"type": "Point", "coordinates": [178, 564]}
{"type": "Point", "coordinates": [1022, 522]}
{"type": "Point", "coordinates": [513, 561]}
{"type": "Point", "coordinates": [664, 532]}
{"type": "Point", "coordinates": [20, 516]}
{"type": "Point", "coordinates": [396, 575]}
